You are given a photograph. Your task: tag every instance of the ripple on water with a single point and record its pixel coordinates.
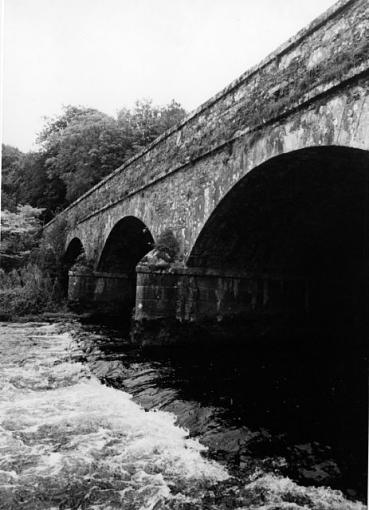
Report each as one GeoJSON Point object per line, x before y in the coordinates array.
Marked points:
{"type": "Point", "coordinates": [68, 441]}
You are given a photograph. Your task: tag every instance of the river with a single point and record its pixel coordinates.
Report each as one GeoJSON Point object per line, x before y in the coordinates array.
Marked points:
{"type": "Point", "coordinates": [89, 422]}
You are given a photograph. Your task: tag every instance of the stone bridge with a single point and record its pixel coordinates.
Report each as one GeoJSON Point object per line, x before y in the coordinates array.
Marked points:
{"type": "Point", "coordinates": [255, 205]}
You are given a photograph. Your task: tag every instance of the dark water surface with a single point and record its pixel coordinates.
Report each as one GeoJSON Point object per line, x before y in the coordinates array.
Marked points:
{"type": "Point", "coordinates": [87, 421]}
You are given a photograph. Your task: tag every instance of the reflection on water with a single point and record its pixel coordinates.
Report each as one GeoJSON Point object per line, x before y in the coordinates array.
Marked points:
{"type": "Point", "coordinates": [71, 436]}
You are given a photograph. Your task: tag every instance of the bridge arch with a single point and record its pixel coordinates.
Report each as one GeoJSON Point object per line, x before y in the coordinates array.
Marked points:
{"type": "Point", "coordinates": [74, 250]}
{"type": "Point", "coordinates": [303, 214]}
{"type": "Point", "coordinates": [297, 180]}
{"type": "Point", "coordinates": [128, 241]}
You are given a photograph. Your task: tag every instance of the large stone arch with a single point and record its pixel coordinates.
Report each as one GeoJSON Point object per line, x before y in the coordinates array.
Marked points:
{"type": "Point", "coordinates": [292, 234]}
{"type": "Point", "coordinates": [325, 169]}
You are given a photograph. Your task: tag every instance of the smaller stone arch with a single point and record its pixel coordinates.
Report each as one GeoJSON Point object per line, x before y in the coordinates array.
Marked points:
{"type": "Point", "coordinates": [128, 241]}
{"type": "Point", "coordinates": [116, 279]}
{"type": "Point", "coordinates": [74, 250]}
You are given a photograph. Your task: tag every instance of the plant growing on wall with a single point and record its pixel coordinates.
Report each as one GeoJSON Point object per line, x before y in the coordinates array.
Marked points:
{"type": "Point", "coordinates": [82, 265]}
{"type": "Point", "coordinates": [164, 253]}
{"type": "Point", "coordinates": [167, 246]}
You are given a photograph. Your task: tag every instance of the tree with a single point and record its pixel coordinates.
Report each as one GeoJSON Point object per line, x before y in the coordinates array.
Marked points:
{"type": "Point", "coordinates": [171, 115]}
{"type": "Point", "coordinates": [25, 181]}
{"type": "Point", "coordinates": [146, 122]}
{"type": "Point", "coordinates": [38, 188]}
{"type": "Point", "coordinates": [81, 147]}
{"type": "Point", "coordinates": [19, 233]}
{"type": "Point", "coordinates": [77, 149]}
{"type": "Point", "coordinates": [11, 164]}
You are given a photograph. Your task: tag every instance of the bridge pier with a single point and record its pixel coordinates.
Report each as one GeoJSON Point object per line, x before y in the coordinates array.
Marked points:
{"type": "Point", "coordinates": [112, 293]}
{"type": "Point", "coordinates": [179, 304]}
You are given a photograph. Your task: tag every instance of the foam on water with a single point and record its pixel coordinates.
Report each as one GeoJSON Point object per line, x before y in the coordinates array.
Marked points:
{"type": "Point", "coordinates": [65, 437]}
{"type": "Point", "coordinates": [68, 441]}
{"type": "Point", "coordinates": [271, 492]}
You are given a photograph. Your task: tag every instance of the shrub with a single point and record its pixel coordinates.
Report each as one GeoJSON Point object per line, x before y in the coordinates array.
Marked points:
{"type": "Point", "coordinates": [28, 290]}
{"type": "Point", "coordinates": [36, 286]}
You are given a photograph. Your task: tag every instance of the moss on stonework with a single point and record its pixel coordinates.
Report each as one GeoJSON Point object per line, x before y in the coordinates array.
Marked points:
{"type": "Point", "coordinates": [325, 72]}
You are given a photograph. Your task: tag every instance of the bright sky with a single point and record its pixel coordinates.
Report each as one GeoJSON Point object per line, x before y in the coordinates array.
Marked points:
{"type": "Point", "coordinates": [108, 53]}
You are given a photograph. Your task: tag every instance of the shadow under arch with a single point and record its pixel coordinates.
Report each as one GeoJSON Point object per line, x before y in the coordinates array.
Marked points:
{"type": "Point", "coordinates": [128, 241]}
{"type": "Point", "coordinates": [74, 250]}
{"type": "Point", "coordinates": [301, 214]}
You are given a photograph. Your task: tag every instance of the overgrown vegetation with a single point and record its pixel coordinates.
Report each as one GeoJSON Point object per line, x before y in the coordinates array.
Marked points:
{"type": "Point", "coordinates": [30, 276]}
{"type": "Point", "coordinates": [28, 290]}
